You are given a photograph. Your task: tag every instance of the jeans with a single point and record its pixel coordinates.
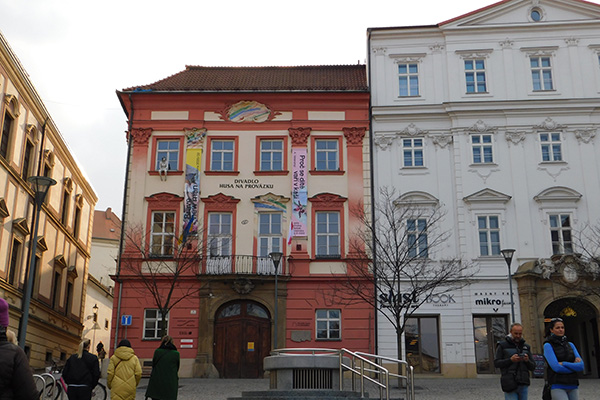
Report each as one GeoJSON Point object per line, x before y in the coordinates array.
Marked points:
{"type": "Point", "coordinates": [565, 394]}
{"type": "Point", "coordinates": [519, 394]}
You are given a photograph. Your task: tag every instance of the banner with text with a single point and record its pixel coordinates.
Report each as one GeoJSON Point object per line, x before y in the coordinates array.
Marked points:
{"type": "Point", "coordinates": [299, 193]}
{"type": "Point", "coordinates": [193, 163]}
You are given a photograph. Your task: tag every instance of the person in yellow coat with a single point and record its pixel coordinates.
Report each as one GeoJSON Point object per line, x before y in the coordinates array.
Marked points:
{"type": "Point", "coordinates": [124, 372]}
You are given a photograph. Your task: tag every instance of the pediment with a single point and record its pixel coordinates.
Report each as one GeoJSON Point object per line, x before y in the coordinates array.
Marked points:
{"type": "Point", "coordinates": [487, 196]}
{"type": "Point", "coordinates": [558, 193]}
{"type": "Point", "coordinates": [517, 12]}
{"type": "Point", "coordinates": [20, 224]}
{"type": "Point", "coordinates": [3, 209]}
{"type": "Point", "coordinates": [41, 244]}
{"type": "Point", "coordinates": [416, 198]}
{"type": "Point", "coordinates": [72, 272]}
{"type": "Point", "coordinates": [60, 262]}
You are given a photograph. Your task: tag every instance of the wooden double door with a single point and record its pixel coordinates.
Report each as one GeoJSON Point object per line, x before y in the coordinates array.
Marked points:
{"type": "Point", "coordinates": [242, 339]}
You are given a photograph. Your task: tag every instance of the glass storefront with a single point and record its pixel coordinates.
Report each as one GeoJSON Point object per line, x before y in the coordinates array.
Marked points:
{"type": "Point", "coordinates": [422, 343]}
{"type": "Point", "coordinates": [488, 330]}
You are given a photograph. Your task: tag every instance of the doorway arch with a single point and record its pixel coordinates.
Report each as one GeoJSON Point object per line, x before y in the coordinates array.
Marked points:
{"type": "Point", "coordinates": [581, 327]}
{"type": "Point", "coordinates": [242, 339]}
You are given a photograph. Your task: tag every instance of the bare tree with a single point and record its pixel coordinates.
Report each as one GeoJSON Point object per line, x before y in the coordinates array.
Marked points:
{"type": "Point", "coordinates": [162, 269]}
{"type": "Point", "coordinates": [393, 265]}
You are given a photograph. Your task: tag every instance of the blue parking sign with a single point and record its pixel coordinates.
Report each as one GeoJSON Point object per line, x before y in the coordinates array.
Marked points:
{"type": "Point", "coordinates": [125, 320]}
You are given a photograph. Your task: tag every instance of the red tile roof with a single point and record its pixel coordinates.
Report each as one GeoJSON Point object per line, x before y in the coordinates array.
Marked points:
{"type": "Point", "coordinates": [106, 225]}
{"type": "Point", "coordinates": [322, 78]}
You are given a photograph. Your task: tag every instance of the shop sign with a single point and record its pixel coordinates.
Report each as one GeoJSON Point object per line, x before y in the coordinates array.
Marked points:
{"type": "Point", "coordinates": [441, 300]}
{"type": "Point", "coordinates": [491, 300]}
{"type": "Point", "coordinates": [245, 184]}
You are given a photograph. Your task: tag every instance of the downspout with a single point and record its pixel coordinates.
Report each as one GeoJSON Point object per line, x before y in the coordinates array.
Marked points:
{"type": "Point", "coordinates": [372, 177]}
{"type": "Point", "coordinates": [123, 215]}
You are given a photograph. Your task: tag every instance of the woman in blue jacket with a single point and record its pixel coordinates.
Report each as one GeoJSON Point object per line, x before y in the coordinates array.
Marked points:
{"type": "Point", "coordinates": [563, 361]}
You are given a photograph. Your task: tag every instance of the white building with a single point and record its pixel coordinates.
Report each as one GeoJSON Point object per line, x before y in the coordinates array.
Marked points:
{"type": "Point", "coordinates": [494, 116]}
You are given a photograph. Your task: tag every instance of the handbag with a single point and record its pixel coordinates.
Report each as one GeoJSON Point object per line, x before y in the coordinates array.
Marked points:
{"type": "Point", "coordinates": [508, 383]}
{"type": "Point", "coordinates": [546, 394]}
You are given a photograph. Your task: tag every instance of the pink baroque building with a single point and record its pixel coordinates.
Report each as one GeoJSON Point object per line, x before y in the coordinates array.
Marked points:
{"type": "Point", "coordinates": [226, 166]}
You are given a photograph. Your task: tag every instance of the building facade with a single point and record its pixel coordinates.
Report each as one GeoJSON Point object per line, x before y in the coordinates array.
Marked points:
{"type": "Point", "coordinates": [493, 116]}
{"type": "Point", "coordinates": [227, 166]}
{"type": "Point", "coordinates": [31, 145]}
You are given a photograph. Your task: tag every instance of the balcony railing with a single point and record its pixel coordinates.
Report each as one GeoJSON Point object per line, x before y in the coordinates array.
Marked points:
{"type": "Point", "coordinates": [242, 265]}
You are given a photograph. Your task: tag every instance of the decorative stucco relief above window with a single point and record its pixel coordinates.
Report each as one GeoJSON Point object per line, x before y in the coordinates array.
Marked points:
{"type": "Point", "coordinates": [515, 136]}
{"type": "Point", "coordinates": [442, 140]}
{"type": "Point", "coordinates": [572, 41]}
{"type": "Point", "coordinates": [384, 140]}
{"type": "Point", "coordinates": [413, 130]}
{"type": "Point", "coordinates": [506, 43]}
{"type": "Point", "coordinates": [585, 135]}
{"type": "Point", "coordinates": [437, 47]}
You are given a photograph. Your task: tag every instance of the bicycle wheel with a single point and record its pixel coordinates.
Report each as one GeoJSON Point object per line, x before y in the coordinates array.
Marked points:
{"type": "Point", "coordinates": [99, 392]}
{"type": "Point", "coordinates": [52, 391]}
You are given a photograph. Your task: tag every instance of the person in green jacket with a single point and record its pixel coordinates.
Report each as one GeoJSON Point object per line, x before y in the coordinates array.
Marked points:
{"type": "Point", "coordinates": [164, 378]}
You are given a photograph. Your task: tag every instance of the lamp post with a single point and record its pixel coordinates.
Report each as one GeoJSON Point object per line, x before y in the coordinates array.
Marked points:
{"type": "Point", "coordinates": [95, 319]}
{"type": "Point", "coordinates": [276, 257]}
{"type": "Point", "coordinates": [508, 256]}
{"type": "Point", "coordinates": [41, 184]}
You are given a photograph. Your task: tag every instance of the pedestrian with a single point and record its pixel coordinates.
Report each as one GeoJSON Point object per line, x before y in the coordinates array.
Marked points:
{"type": "Point", "coordinates": [124, 372]}
{"type": "Point", "coordinates": [563, 363]}
{"type": "Point", "coordinates": [100, 351]}
{"type": "Point", "coordinates": [164, 378]}
{"type": "Point", "coordinates": [513, 357]}
{"type": "Point", "coordinates": [16, 377]}
{"type": "Point", "coordinates": [81, 373]}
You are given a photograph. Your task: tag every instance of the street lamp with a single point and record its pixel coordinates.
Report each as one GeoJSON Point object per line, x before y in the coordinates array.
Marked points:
{"type": "Point", "coordinates": [508, 256]}
{"type": "Point", "coordinates": [41, 185]}
{"type": "Point", "coordinates": [95, 320]}
{"type": "Point", "coordinates": [276, 257]}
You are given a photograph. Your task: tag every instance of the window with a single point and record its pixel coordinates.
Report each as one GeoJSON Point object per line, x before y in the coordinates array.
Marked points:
{"type": "Point", "coordinates": [6, 132]}
{"type": "Point", "coordinates": [408, 79]}
{"type": "Point", "coordinates": [15, 258]}
{"type": "Point", "coordinates": [153, 324]}
{"type": "Point", "coordinates": [65, 207]}
{"type": "Point", "coordinates": [76, 222]}
{"type": "Point", "coordinates": [536, 14]}
{"type": "Point", "coordinates": [326, 155]}
{"type": "Point", "coordinates": [219, 234]}
{"type": "Point", "coordinates": [27, 160]}
{"type": "Point", "coordinates": [222, 155]}
{"type": "Point", "coordinates": [489, 235]}
{"type": "Point", "coordinates": [416, 230]}
{"type": "Point", "coordinates": [551, 146]}
{"type": "Point", "coordinates": [421, 340]}
{"type": "Point", "coordinates": [163, 233]}
{"type": "Point", "coordinates": [482, 149]}
{"type": "Point", "coordinates": [269, 233]}
{"type": "Point", "coordinates": [271, 155]}
{"type": "Point", "coordinates": [169, 150]}
{"type": "Point", "coordinates": [475, 76]}
{"type": "Point", "coordinates": [412, 151]}
{"type": "Point", "coordinates": [560, 232]}
{"type": "Point", "coordinates": [541, 73]}
{"type": "Point", "coordinates": [328, 324]}
{"type": "Point", "coordinates": [69, 299]}
{"type": "Point", "coordinates": [55, 289]}
{"type": "Point", "coordinates": [328, 234]}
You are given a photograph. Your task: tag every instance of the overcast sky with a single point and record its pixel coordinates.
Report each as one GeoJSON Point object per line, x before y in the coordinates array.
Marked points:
{"type": "Point", "coordinates": [78, 52]}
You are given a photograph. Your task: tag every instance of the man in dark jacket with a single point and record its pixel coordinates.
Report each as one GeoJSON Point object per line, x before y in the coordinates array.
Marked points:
{"type": "Point", "coordinates": [513, 357]}
{"type": "Point", "coordinates": [16, 378]}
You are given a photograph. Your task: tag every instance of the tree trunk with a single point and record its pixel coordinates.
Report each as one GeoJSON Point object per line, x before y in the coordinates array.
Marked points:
{"type": "Point", "coordinates": [399, 356]}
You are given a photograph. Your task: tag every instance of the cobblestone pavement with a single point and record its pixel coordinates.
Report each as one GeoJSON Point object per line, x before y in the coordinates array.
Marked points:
{"type": "Point", "coordinates": [487, 388]}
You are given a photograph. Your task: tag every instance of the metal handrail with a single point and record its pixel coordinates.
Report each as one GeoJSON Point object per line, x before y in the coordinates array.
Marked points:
{"type": "Point", "coordinates": [409, 378]}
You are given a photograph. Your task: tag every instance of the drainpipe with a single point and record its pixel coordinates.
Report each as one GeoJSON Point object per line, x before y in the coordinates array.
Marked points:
{"type": "Point", "coordinates": [372, 177]}
{"type": "Point", "coordinates": [123, 215]}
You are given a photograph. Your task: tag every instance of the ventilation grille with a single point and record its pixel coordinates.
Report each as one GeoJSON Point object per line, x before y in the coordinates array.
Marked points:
{"type": "Point", "coordinates": [310, 378]}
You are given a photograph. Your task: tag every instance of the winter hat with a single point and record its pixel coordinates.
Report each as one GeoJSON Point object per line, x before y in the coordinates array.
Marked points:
{"type": "Point", "coordinates": [3, 313]}
{"type": "Point", "coordinates": [125, 343]}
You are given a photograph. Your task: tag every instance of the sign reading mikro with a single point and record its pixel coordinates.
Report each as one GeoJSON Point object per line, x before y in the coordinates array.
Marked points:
{"type": "Point", "coordinates": [246, 184]}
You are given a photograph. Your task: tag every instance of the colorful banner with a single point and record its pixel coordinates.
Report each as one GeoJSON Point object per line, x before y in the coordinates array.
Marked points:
{"type": "Point", "coordinates": [299, 193]}
{"type": "Point", "coordinates": [193, 163]}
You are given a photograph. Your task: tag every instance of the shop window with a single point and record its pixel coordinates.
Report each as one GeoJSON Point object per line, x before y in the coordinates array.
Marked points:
{"type": "Point", "coordinates": [421, 338]}
{"type": "Point", "coordinates": [488, 330]}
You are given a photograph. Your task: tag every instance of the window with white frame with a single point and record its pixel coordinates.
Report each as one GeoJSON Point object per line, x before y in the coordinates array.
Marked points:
{"type": "Point", "coordinates": [416, 234]}
{"type": "Point", "coordinates": [327, 155]}
{"type": "Point", "coordinates": [541, 73]}
{"type": "Point", "coordinates": [408, 79]}
{"type": "Point", "coordinates": [271, 155]}
{"type": "Point", "coordinates": [222, 155]}
{"type": "Point", "coordinates": [489, 235]}
{"type": "Point", "coordinates": [560, 232]}
{"type": "Point", "coordinates": [475, 76]}
{"type": "Point", "coordinates": [169, 150]}
{"type": "Point", "coordinates": [481, 145]}
{"type": "Point", "coordinates": [162, 235]}
{"type": "Point", "coordinates": [153, 323]}
{"type": "Point", "coordinates": [328, 234]}
{"type": "Point", "coordinates": [412, 152]}
{"type": "Point", "coordinates": [219, 234]}
{"type": "Point", "coordinates": [269, 233]}
{"type": "Point", "coordinates": [328, 324]}
{"type": "Point", "coordinates": [551, 146]}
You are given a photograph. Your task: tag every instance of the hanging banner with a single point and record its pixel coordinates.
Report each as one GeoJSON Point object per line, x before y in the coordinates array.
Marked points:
{"type": "Point", "coordinates": [193, 163]}
{"type": "Point", "coordinates": [299, 193]}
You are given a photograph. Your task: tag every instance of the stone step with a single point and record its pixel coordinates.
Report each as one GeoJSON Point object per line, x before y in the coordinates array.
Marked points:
{"type": "Point", "coordinates": [304, 394]}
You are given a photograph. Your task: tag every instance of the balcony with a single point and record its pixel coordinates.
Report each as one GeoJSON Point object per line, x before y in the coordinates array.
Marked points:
{"type": "Point", "coordinates": [242, 265]}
